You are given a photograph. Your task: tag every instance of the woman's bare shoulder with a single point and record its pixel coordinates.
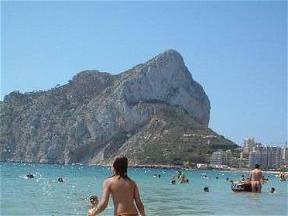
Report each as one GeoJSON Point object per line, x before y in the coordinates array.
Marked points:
{"type": "Point", "coordinates": [108, 180]}
{"type": "Point", "coordinates": [133, 182]}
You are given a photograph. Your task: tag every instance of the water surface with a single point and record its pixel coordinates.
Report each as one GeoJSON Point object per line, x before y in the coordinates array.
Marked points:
{"type": "Point", "coordinates": [43, 195]}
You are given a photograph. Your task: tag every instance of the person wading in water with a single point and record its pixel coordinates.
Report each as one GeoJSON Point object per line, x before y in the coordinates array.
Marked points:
{"type": "Point", "coordinates": [256, 178]}
{"type": "Point", "coordinates": [124, 192]}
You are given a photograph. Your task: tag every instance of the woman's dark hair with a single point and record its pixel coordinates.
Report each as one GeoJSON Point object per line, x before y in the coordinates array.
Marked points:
{"type": "Point", "coordinates": [120, 166]}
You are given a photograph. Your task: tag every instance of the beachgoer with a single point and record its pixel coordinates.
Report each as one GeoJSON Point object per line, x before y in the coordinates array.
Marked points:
{"type": "Point", "coordinates": [205, 177]}
{"type": "Point", "coordinates": [206, 189]}
{"type": "Point", "coordinates": [256, 177]}
{"type": "Point", "coordinates": [183, 179]}
{"type": "Point", "coordinates": [124, 192]}
{"type": "Point", "coordinates": [179, 174]}
{"type": "Point", "coordinates": [282, 176]}
{"type": "Point", "coordinates": [30, 175]}
{"type": "Point", "coordinates": [94, 202]}
{"type": "Point", "coordinates": [227, 179]}
{"type": "Point", "coordinates": [60, 179]}
{"type": "Point", "coordinates": [173, 181]}
{"type": "Point", "coordinates": [272, 190]}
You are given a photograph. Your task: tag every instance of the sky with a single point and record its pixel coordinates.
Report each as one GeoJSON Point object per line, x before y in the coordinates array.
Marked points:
{"type": "Point", "coordinates": [236, 50]}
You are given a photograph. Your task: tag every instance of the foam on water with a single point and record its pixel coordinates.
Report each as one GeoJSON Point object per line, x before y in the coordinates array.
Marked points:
{"type": "Point", "coordinates": [44, 195]}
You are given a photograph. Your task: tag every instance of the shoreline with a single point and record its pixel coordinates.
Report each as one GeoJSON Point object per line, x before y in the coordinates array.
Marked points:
{"type": "Point", "coordinates": [151, 166]}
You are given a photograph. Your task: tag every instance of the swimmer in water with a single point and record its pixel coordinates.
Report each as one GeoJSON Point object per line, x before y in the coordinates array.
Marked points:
{"type": "Point", "coordinates": [30, 175]}
{"type": "Point", "coordinates": [94, 202]}
{"type": "Point", "coordinates": [60, 179]}
{"type": "Point", "coordinates": [173, 181]}
{"type": "Point", "coordinates": [282, 176]}
{"type": "Point", "coordinates": [256, 178]}
{"type": "Point", "coordinates": [183, 179]}
{"type": "Point", "coordinates": [179, 173]}
{"type": "Point", "coordinates": [272, 190]}
{"type": "Point", "coordinates": [206, 189]}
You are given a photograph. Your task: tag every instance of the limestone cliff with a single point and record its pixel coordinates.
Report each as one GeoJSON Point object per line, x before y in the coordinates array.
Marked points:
{"type": "Point", "coordinates": [155, 107]}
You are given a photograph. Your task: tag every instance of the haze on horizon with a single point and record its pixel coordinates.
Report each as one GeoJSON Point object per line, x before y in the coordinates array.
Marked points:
{"type": "Point", "coordinates": [235, 50]}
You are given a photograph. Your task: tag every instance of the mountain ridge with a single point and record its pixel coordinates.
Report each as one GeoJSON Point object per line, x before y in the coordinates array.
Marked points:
{"type": "Point", "coordinates": [98, 115]}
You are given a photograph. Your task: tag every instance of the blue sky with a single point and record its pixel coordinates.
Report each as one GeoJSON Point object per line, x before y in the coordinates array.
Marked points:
{"type": "Point", "coordinates": [235, 50]}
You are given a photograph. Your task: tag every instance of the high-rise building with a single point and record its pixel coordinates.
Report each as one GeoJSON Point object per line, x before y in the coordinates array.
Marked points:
{"type": "Point", "coordinates": [217, 157]}
{"type": "Point", "coordinates": [274, 157]}
{"type": "Point", "coordinates": [221, 157]}
{"type": "Point", "coordinates": [229, 158]}
{"type": "Point", "coordinates": [264, 157]}
{"type": "Point", "coordinates": [267, 156]}
{"type": "Point", "coordinates": [254, 157]}
{"type": "Point", "coordinates": [284, 155]}
{"type": "Point", "coordinates": [249, 144]}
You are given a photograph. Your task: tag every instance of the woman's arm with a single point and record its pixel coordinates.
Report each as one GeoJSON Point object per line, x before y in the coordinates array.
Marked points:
{"type": "Point", "coordinates": [250, 176]}
{"type": "Point", "coordinates": [104, 199]}
{"type": "Point", "coordinates": [138, 201]}
{"type": "Point", "coordinates": [262, 178]}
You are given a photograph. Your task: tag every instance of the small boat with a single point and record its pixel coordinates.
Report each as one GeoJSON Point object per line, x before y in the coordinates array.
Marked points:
{"type": "Point", "coordinates": [241, 187]}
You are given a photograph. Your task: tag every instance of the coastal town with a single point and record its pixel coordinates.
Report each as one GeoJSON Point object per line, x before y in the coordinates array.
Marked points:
{"type": "Point", "coordinates": [252, 152]}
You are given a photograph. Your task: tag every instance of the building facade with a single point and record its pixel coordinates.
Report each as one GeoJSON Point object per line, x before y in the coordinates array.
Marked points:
{"type": "Point", "coordinates": [221, 157]}
{"type": "Point", "coordinates": [284, 155]}
{"type": "Point", "coordinates": [269, 157]}
{"type": "Point", "coordinates": [248, 145]}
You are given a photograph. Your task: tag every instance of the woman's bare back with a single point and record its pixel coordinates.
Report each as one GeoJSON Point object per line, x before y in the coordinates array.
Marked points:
{"type": "Point", "coordinates": [123, 194]}
{"type": "Point", "coordinates": [124, 191]}
{"type": "Point", "coordinates": [256, 175]}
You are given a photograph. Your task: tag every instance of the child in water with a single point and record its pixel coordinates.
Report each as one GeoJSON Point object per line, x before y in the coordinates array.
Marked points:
{"type": "Point", "coordinates": [94, 202]}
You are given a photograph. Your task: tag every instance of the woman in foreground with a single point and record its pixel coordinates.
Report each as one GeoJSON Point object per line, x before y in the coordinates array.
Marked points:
{"type": "Point", "coordinates": [124, 192]}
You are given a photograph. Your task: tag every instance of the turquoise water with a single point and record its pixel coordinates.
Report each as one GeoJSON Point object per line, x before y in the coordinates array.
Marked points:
{"type": "Point", "coordinates": [43, 195]}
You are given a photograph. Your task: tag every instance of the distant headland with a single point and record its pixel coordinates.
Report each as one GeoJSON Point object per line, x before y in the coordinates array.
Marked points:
{"type": "Point", "coordinates": [155, 113]}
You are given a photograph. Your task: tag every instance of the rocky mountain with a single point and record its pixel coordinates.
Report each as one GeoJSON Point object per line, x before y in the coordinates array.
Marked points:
{"type": "Point", "coordinates": [155, 113]}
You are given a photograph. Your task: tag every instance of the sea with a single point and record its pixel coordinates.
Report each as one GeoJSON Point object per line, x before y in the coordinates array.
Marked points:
{"type": "Point", "coordinates": [44, 195]}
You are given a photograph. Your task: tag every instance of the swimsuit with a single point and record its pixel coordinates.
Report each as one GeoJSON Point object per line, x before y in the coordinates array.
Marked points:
{"type": "Point", "coordinates": [256, 185]}
{"type": "Point", "coordinates": [126, 214]}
